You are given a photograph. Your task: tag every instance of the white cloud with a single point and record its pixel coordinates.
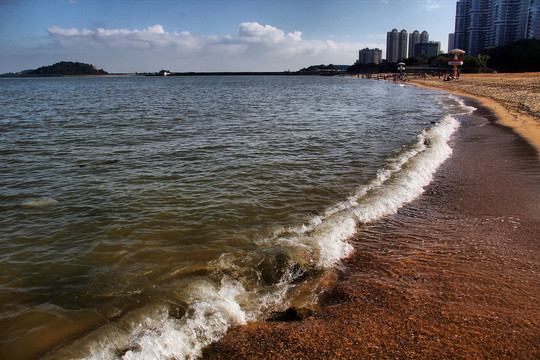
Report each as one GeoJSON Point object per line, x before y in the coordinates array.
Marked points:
{"type": "Point", "coordinates": [257, 32]}
{"type": "Point", "coordinates": [254, 47]}
{"type": "Point", "coordinates": [55, 30]}
{"type": "Point", "coordinates": [432, 5]}
{"type": "Point", "coordinates": [428, 4]}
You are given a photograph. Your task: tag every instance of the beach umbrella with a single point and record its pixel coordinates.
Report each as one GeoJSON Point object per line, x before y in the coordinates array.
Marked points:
{"type": "Point", "coordinates": [456, 61]}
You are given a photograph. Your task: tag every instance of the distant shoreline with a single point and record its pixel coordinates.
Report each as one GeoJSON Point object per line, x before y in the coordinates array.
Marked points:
{"type": "Point", "coordinates": [182, 74]}
{"type": "Point", "coordinates": [19, 76]}
{"type": "Point", "coordinates": [266, 73]}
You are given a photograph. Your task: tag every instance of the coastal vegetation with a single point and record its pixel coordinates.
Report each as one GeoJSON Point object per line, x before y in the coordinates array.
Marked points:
{"type": "Point", "coordinates": [519, 56]}
{"type": "Point", "coordinates": [315, 69]}
{"type": "Point", "coordinates": [62, 68]}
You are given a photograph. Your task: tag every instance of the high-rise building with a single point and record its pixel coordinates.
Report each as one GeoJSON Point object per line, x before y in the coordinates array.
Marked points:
{"type": "Point", "coordinates": [424, 37]}
{"type": "Point", "coordinates": [532, 20]}
{"type": "Point", "coordinates": [462, 24]}
{"type": "Point", "coordinates": [414, 38]}
{"type": "Point", "coordinates": [478, 29]}
{"type": "Point", "coordinates": [483, 23]}
{"type": "Point", "coordinates": [451, 38]}
{"type": "Point", "coordinates": [396, 45]}
{"type": "Point", "coordinates": [370, 56]}
{"type": "Point", "coordinates": [507, 21]}
{"type": "Point", "coordinates": [403, 36]}
{"type": "Point", "coordinates": [430, 49]}
{"type": "Point", "coordinates": [392, 43]}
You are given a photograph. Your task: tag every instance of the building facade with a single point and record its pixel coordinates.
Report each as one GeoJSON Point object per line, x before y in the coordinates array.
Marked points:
{"type": "Point", "coordinates": [370, 56]}
{"type": "Point", "coordinates": [532, 20]}
{"type": "Point", "coordinates": [414, 38]}
{"type": "Point", "coordinates": [396, 45]}
{"type": "Point", "coordinates": [424, 37]}
{"type": "Point", "coordinates": [483, 23]}
{"type": "Point", "coordinates": [451, 40]}
{"type": "Point", "coordinates": [430, 48]}
{"type": "Point", "coordinates": [478, 29]}
{"type": "Point", "coordinates": [403, 37]}
{"type": "Point", "coordinates": [508, 18]}
{"type": "Point", "coordinates": [392, 43]}
{"type": "Point", "coordinates": [462, 24]}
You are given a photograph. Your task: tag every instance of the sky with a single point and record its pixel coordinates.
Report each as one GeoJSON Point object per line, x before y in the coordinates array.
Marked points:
{"type": "Point", "coordinates": [127, 36]}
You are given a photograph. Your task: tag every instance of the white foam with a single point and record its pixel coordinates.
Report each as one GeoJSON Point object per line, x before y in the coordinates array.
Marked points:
{"type": "Point", "coordinates": [211, 313]}
{"type": "Point", "coordinates": [400, 182]}
{"type": "Point", "coordinates": [461, 108]}
{"type": "Point", "coordinates": [407, 182]}
{"type": "Point", "coordinates": [40, 202]}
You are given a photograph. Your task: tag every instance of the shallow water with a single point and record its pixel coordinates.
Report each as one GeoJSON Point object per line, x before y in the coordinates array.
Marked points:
{"type": "Point", "coordinates": [142, 217]}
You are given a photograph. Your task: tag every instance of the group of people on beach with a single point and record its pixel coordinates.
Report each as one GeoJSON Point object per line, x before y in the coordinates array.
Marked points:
{"type": "Point", "coordinates": [405, 77]}
{"type": "Point", "coordinates": [395, 77]}
{"type": "Point", "coordinates": [448, 77]}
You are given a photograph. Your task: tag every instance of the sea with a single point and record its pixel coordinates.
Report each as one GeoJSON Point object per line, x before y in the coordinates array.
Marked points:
{"type": "Point", "coordinates": [143, 217]}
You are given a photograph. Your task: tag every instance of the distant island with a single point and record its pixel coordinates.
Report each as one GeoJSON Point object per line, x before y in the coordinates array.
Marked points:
{"type": "Point", "coordinates": [63, 68]}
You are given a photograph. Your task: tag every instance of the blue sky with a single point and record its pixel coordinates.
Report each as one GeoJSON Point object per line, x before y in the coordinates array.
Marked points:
{"type": "Point", "coordinates": [208, 35]}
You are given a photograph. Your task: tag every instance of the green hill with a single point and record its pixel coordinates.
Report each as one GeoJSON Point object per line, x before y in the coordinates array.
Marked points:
{"type": "Point", "coordinates": [64, 68]}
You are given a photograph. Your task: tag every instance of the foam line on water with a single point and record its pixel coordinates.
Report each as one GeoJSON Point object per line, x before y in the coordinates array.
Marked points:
{"type": "Point", "coordinates": [155, 335]}
{"type": "Point", "coordinates": [322, 241]}
{"type": "Point", "coordinates": [399, 182]}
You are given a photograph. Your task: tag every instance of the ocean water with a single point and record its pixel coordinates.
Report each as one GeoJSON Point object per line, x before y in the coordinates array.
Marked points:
{"type": "Point", "coordinates": [140, 218]}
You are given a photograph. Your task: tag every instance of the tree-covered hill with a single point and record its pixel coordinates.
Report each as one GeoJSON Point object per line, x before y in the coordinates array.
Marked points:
{"type": "Point", "coordinates": [67, 68]}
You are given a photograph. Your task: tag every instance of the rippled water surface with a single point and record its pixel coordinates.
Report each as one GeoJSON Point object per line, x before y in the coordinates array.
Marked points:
{"type": "Point", "coordinates": [141, 217]}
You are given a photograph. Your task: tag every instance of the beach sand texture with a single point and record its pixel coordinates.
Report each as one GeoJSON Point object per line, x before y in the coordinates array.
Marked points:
{"type": "Point", "coordinates": [515, 98]}
{"type": "Point", "coordinates": [453, 275]}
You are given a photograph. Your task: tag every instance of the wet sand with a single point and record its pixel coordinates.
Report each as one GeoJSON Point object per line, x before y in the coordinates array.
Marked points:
{"type": "Point", "coordinates": [515, 98]}
{"type": "Point", "coordinates": [454, 274]}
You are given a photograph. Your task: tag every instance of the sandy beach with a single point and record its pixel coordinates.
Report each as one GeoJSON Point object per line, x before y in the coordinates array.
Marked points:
{"type": "Point", "coordinates": [515, 98]}
{"type": "Point", "coordinates": [453, 275]}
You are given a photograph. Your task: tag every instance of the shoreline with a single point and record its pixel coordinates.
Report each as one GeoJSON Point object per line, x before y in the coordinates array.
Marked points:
{"type": "Point", "coordinates": [514, 98]}
{"type": "Point", "coordinates": [454, 274]}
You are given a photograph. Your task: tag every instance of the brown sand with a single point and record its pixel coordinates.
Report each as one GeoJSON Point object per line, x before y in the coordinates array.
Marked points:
{"type": "Point", "coordinates": [515, 98]}
{"type": "Point", "coordinates": [453, 275]}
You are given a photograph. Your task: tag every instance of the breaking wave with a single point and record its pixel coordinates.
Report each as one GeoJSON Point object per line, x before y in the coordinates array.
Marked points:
{"type": "Point", "coordinates": [212, 307]}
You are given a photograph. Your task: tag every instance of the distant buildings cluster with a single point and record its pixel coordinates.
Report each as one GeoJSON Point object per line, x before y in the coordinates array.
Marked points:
{"type": "Point", "coordinates": [479, 24]}
{"type": "Point", "coordinates": [400, 45]}
{"type": "Point", "coordinates": [483, 23]}
{"type": "Point", "coordinates": [370, 56]}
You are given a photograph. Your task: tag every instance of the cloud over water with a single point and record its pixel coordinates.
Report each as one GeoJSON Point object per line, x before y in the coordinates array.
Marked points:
{"type": "Point", "coordinates": [253, 47]}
